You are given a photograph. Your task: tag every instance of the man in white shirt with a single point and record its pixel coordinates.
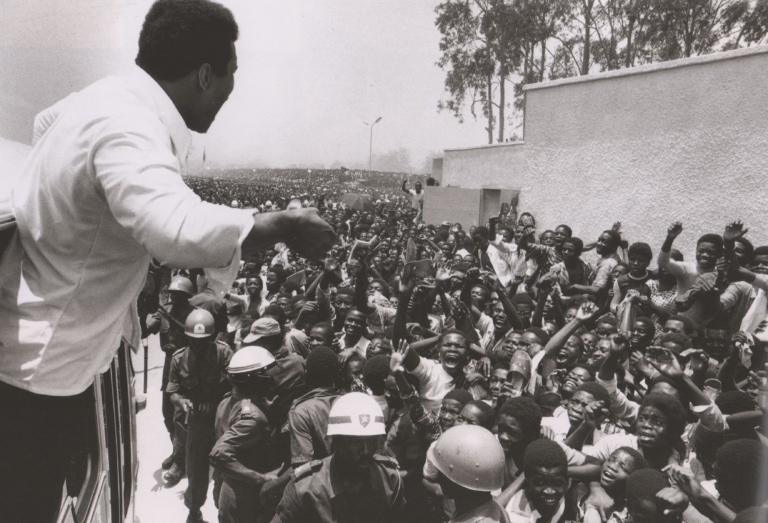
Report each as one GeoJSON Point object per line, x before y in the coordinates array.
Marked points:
{"type": "Point", "coordinates": [100, 195]}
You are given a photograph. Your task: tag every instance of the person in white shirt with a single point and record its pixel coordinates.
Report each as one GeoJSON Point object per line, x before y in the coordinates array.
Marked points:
{"type": "Point", "coordinates": [101, 193]}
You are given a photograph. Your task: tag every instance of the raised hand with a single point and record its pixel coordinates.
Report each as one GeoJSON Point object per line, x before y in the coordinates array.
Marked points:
{"type": "Point", "coordinates": [685, 480]}
{"type": "Point", "coordinates": [640, 364]}
{"type": "Point", "coordinates": [699, 360]}
{"type": "Point", "coordinates": [734, 231]}
{"type": "Point", "coordinates": [398, 356]}
{"type": "Point", "coordinates": [586, 311]}
{"type": "Point", "coordinates": [619, 345]}
{"type": "Point", "coordinates": [664, 361]}
{"type": "Point", "coordinates": [592, 412]}
{"type": "Point", "coordinates": [443, 273]}
{"type": "Point", "coordinates": [675, 229]}
{"type": "Point", "coordinates": [330, 264]}
{"type": "Point", "coordinates": [616, 227]}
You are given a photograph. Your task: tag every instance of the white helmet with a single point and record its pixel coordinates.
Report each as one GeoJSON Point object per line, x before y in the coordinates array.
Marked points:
{"type": "Point", "coordinates": [235, 204]}
{"type": "Point", "coordinates": [250, 359]}
{"type": "Point", "coordinates": [356, 414]}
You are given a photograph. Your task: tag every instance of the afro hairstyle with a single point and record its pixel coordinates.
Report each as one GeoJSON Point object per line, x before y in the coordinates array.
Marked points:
{"type": "Point", "coordinates": [644, 484]}
{"type": "Point", "coordinates": [714, 239]}
{"type": "Point", "coordinates": [637, 457]}
{"type": "Point", "coordinates": [671, 408]}
{"type": "Point", "coordinates": [527, 413]}
{"type": "Point", "coordinates": [540, 333]}
{"type": "Point", "coordinates": [460, 395]}
{"type": "Point", "coordinates": [735, 401]}
{"type": "Point", "coordinates": [738, 467]}
{"type": "Point", "coordinates": [677, 338]}
{"type": "Point", "coordinates": [375, 372]}
{"type": "Point", "coordinates": [489, 415]}
{"type": "Point", "coordinates": [578, 244]}
{"type": "Point", "coordinates": [323, 367]}
{"type": "Point", "coordinates": [597, 391]}
{"type": "Point", "coordinates": [688, 325]}
{"type": "Point", "coordinates": [543, 453]}
{"type": "Point", "coordinates": [641, 249]}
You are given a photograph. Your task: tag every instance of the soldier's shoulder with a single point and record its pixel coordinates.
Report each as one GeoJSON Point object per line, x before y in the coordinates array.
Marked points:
{"type": "Point", "coordinates": [223, 347]}
{"type": "Point", "coordinates": [386, 461]}
{"type": "Point", "coordinates": [180, 353]}
{"type": "Point", "coordinates": [307, 470]}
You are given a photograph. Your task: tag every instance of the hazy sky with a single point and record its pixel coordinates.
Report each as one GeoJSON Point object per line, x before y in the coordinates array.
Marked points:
{"type": "Point", "coordinates": [310, 73]}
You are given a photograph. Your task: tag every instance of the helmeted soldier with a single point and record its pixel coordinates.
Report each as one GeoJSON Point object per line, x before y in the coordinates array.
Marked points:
{"type": "Point", "coordinates": [244, 456]}
{"type": "Point", "coordinates": [471, 464]}
{"type": "Point", "coordinates": [168, 321]}
{"type": "Point", "coordinates": [197, 383]}
{"type": "Point", "coordinates": [353, 484]}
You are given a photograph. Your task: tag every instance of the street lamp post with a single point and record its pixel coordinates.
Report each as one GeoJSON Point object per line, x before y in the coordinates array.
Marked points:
{"type": "Point", "coordinates": [370, 144]}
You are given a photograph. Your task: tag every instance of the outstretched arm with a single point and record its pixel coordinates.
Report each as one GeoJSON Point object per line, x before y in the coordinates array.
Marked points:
{"type": "Point", "coordinates": [549, 363]}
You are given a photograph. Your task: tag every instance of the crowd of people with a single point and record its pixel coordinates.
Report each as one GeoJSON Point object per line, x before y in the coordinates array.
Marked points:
{"type": "Point", "coordinates": [427, 373]}
{"type": "Point", "coordinates": [344, 361]}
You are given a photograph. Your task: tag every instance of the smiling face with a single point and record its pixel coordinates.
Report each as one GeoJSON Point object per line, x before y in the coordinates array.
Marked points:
{"type": "Point", "coordinates": [575, 378]}
{"type": "Point", "coordinates": [642, 334]}
{"type": "Point", "coordinates": [499, 317]}
{"type": "Point", "coordinates": [453, 353]}
{"type": "Point", "coordinates": [354, 324]}
{"type": "Point", "coordinates": [254, 286]}
{"type": "Point", "coordinates": [511, 342]}
{"type": "Point", "coordinates": [570, 353]}
{"type": "Point", "coordinates": [546, 486]}
{"type": "Point", "coordinates": [706, 255]}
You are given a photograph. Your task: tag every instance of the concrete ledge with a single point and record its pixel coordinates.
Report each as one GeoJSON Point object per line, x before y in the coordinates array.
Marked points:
{"type": "Point", "coordinates": [652, 68]}
{"type": "Point", "coordinates": [488, 146]}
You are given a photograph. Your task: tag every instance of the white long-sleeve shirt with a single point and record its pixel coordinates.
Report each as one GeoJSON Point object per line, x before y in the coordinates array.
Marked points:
{"type": "Point", "coordinates": [100, 194]}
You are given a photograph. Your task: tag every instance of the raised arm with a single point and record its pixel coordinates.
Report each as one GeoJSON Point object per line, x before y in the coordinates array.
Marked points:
{"type": "Point", "coordinates": [664, 260]}
{"type": "Point", "coordinates": [549, 363]}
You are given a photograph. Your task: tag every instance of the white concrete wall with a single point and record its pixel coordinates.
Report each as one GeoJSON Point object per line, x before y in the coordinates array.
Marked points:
{"type": "Point", "coordinates": [684, 140]}
{"type": "Point", "coordinates": [489, 167]}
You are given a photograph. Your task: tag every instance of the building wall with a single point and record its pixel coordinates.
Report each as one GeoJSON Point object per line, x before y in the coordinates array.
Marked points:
{"type": "Point", "coordinates": [437, 170]}
{"type": "Point", "coordinates": [494, 167]}
{"type": "Point", "coordinates": [683, 140]}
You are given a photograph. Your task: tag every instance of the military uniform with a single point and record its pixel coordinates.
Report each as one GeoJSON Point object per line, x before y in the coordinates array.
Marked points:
{"type": "Point", "coordinates": [317, 495]}
{"type": "Point", "coordinates": [201, 379]}
{"type": "Point", "coordinates": [245, 436]}
{"type": "Point", "coordinates": [308, 424]}
{"type": "Point", "coordinates": [172, 338]}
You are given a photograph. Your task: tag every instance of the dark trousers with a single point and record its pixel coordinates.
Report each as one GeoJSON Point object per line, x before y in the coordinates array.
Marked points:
{"type": "Point", "coordinates": [200, 440]}
{"type": "Point", "coordinates": [168, 408]}
{"type": "Point", "coordinates": [239, 503]}
{"type": "Point", "coordinates": [39, 436]}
